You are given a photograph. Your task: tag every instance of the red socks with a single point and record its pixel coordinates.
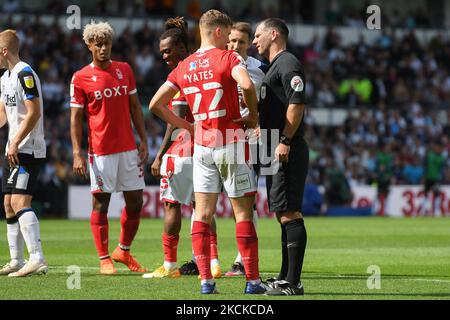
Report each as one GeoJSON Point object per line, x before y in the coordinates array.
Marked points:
{"type": "Point", "coordinates": [202, 248]}
{"type": "Point", "coordinates": [213, 244]}
{"type": "Point", "coordinates": [170, 246]}
{"type": "Point", "coordinates": [247, 242]}
{"type": "Point", "coordinates": [99, 227]}
{"type": "Point", "coordinates": [130, 225]}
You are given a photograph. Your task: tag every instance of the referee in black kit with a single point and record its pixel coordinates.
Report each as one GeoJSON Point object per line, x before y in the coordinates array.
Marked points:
{"type": "Point", "coordinates": [281, 107]}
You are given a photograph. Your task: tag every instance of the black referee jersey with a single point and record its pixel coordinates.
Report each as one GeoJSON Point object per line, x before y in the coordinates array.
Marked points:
{"type": "Point", "coordinates": [282, 85]}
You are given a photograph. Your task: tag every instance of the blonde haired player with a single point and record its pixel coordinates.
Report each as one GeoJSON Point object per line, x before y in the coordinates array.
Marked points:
{"type": "Point", "coordinates": [209, 80]}
{"type": "Point", "coordinates": [21, 107]}
{"type": "Point", "coordinates": [105, 93]}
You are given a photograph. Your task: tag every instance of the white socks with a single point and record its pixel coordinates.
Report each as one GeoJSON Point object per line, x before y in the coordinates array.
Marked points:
{"type": "Point", "coordinates": [169, 265]}
{"type": "Point", "coordinates": [15, 240]}
{"type": "Point", "coordinates": [214, 262]}
{"type": "Point", "coordinates": [29, 225]}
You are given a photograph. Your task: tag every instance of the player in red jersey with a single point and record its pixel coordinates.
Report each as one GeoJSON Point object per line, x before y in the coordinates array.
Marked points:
{"type": "Point", "coordinates": [173, 163]}
{"type": "Point", "coordinates": [209, 79]}
{"type": "Point", "coordinates": [105, 93]}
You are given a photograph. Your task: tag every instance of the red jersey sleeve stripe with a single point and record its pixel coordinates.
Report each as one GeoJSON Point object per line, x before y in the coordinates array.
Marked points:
{"type": "Point", "coordinates": [133, 91]}
{"type": "Point", "coordinates": [75, 105]}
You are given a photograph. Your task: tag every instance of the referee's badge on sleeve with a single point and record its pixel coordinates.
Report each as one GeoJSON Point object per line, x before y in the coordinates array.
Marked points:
{"type": "Point", "coordinates": [297, 84]}
{"type": "Point", "coordinates": [29, 82]}
{"type": "Point", "coordinates": [263, 92]}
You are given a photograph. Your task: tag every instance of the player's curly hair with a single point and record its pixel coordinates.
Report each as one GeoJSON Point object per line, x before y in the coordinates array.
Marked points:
{"type": "Point", "coordinates": [177, 30]}
{"type": "Point", "coordinates": [176, 23]}
{"type": "Point", "coordinates": [97, 30]}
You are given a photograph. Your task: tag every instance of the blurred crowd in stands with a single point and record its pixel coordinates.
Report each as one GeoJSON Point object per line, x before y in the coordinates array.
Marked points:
{"type": "Point", "coordinates": [398, 92]}
{"type": "Point", "coordinates": [335, 12]}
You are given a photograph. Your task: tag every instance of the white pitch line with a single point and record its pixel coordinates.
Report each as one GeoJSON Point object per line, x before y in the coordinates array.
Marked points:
{"type": "Point", "coordinates": [306, 276]}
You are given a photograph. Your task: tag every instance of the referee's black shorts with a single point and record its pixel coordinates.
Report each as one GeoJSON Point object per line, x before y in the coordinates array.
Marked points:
{"type": "Point", "coordinates": [285, 188]}
{"type": "Point", "coordinates": [21, 179]}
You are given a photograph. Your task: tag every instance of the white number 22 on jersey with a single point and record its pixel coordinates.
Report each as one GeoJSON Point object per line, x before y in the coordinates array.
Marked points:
{"type": "Point", "coordinates": [213, 113]}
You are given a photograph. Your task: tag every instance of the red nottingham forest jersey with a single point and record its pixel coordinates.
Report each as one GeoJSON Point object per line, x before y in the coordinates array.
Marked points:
{"type": "Point", "coordinates": [104, 95]}
{"type": "Point", "coordinates": [205, 79]}
{"type": "Point", "coordinates": [183, 145]}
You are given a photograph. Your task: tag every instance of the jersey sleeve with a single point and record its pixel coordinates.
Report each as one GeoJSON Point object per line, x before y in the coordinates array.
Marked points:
{"type": "Point", "coordinates": [292, 77]}
{"type": "Point", "coordinates": [172, 79]}
{"type": "Point", "coordinates": [77, 96]}
{"type": "Point", "coordinates": [28, 82]}
{"type": "Point", "coordinates": [236, 61]}
{"type": "Point", "coordinates": [131, 80]}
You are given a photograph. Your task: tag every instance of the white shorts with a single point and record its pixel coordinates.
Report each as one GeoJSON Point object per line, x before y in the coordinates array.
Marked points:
{"type": "Point", "coordinates": [225, 166]}
{"type": "Point", "coordinates": [116, 172]}
{"type": "Point", "coordinates": [176, 180]}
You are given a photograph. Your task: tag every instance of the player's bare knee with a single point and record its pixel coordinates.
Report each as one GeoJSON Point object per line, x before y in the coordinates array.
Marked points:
{"type": "Point", "coordinates": [134, 204]}
{"type": "Point", "coordinates": [100, 207]}
{"type": "Point", "coordinates": [134, 208]}
{"type": "Point", "coordinates": [8, 208]}
{"type": "Point", "coordinates": [287, 216]}
{"type": "Point", "coordinates": [172, 212]}
{"type": "Point", "coordinates": [18, 203]}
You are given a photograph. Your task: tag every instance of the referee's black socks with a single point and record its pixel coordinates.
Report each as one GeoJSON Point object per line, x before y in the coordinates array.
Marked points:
{"type": "Point", "coordinates": [296, 244]}
{"type": "Point", "coordinates": [284, 254]}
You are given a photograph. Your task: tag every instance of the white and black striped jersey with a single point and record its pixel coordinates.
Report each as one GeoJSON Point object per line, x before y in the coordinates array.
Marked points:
{"type": "Point", "coordinates": [16, 86]}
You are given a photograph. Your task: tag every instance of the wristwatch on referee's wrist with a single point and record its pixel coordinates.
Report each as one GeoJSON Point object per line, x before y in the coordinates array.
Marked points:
{"type": "Point", "coordinates": [285, 140]}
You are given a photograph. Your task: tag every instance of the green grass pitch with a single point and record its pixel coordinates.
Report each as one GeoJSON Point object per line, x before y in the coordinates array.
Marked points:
{"type": "Point", "coordinates": [413, 256]}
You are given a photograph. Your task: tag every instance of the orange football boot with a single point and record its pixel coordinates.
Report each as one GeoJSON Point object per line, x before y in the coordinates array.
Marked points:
{"type": "Point", "coordinates": [127, 259]}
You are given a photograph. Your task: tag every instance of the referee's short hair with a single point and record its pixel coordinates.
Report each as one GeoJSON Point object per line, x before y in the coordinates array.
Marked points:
{"type": "Point", "coordinates": [279, 25]}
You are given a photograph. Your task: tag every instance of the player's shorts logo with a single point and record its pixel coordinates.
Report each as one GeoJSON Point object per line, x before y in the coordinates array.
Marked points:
{"type": "Point", "coordinates": [29, 82]}
{"type": "Point", "coordinates": [297, 84]}
{"type": "Point", "coordinates": [99, 181]}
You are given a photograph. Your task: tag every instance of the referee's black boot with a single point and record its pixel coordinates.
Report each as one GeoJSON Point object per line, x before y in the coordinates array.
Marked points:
{"type": "Point", "coordinates": [284, 288]}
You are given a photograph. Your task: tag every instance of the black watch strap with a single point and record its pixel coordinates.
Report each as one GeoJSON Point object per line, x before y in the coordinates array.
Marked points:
{"type": "Point", "coordinates": [285, 140]}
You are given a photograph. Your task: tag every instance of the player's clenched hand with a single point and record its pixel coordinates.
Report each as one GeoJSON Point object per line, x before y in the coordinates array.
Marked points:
{"type": "Point", "coordinates": [79, 165]}
{"type": "Point", "coordinates": [143, 153]}
{"type": "Point", "coordinates": [156, 168]}
{"type": "Point", "coordinates": [282, 152]}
